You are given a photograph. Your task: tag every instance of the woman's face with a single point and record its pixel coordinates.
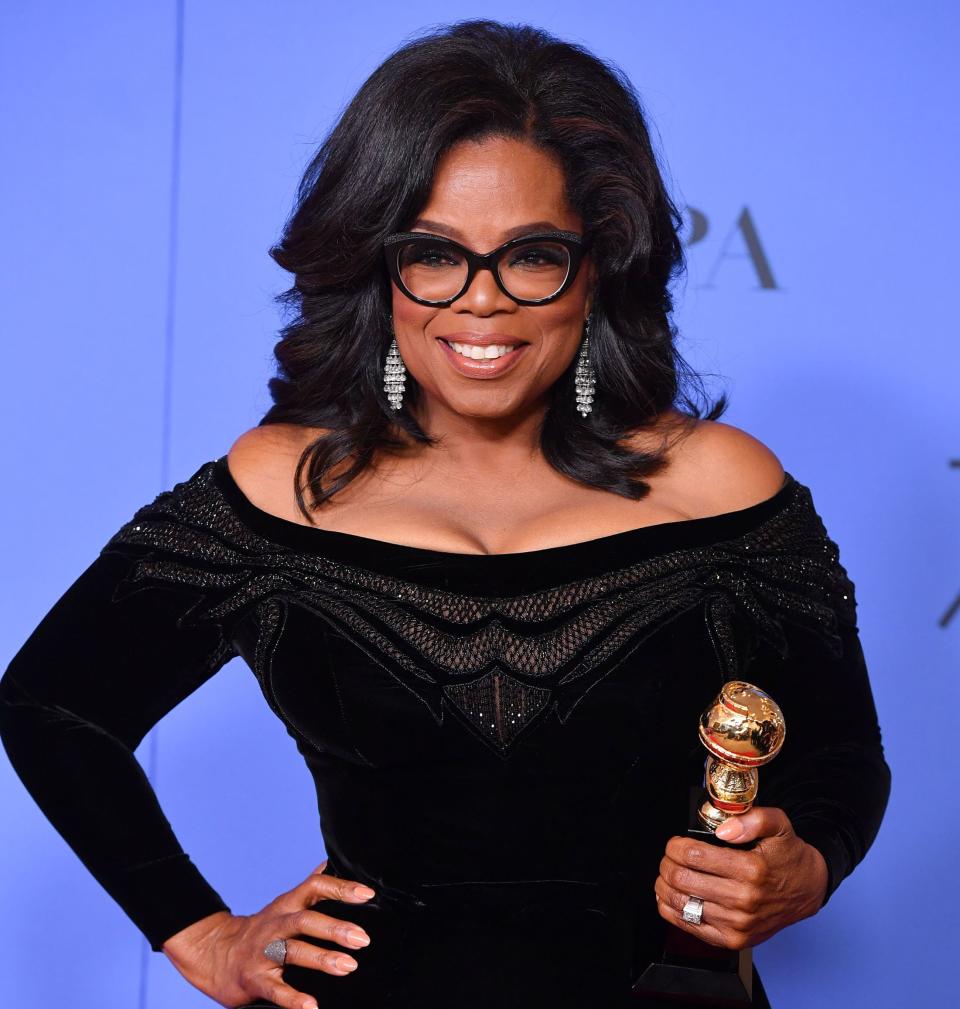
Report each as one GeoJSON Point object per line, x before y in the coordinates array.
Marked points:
{"type": "Point", "coordinates": [483, 194]}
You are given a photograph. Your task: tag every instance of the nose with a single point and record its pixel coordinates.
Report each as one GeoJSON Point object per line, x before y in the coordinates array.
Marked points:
{"type": "Point", "coordinates": [483, 296]}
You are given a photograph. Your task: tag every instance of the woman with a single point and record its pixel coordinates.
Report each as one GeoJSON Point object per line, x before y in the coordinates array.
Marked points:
{"type": "Point", "coordinates": [488, 574]}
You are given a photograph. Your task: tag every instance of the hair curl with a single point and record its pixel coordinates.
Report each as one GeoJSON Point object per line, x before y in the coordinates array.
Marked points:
{"type": "Point", "coordinates": [371, 176]}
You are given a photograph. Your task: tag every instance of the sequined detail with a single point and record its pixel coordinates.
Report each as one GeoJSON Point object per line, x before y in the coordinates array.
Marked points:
{"type": "Point", "coordinates": [499, 662]}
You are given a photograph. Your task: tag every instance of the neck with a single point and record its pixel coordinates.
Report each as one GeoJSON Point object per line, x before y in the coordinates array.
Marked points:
{"type": "Point", "coordinates": [483, 444]}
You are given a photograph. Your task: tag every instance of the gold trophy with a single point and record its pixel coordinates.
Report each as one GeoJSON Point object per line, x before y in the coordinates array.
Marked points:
{"type": "Point", "coordinates": [742, 729]}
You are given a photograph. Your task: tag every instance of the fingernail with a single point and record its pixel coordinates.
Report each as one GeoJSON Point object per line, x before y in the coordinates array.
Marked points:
{"type": "Point", "coordinates": [359, 938]}
{"type": "Point", "coordinates": [344, 964]}
{"type": "Point", "coordinates": [364, 891]}
{"type": "Point", "coordinates": [729, 830]}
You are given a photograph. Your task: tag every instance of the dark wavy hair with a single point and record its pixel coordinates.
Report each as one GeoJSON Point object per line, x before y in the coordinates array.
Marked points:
{"type": "Point", "coordinates": [373, 173]}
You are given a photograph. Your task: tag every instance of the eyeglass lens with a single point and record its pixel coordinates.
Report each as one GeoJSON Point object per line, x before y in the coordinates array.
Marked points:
{"type": "Point", "coordinates": [529, 271]}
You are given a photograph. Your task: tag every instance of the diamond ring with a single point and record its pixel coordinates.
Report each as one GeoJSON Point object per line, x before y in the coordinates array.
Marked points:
{"type": "Point", "coordinates": [693, 910]}
{"type": "Point", "coordinates": [276, 951]}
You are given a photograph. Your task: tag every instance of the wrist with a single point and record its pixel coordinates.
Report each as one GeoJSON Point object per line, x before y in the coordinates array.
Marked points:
{"type": "Point", "coordinates": [182, 945]}
{"type": "Point", "coordinates": [818, 874]}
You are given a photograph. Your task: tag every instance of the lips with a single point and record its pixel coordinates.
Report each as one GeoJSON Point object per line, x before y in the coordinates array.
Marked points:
{"type": "Point", "coordinates": [485, 367]}
{"type": "Point", "coordinates": [477, 340]}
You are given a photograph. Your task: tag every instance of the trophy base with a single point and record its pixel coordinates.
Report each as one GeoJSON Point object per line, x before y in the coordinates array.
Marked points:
{"type": "Point", "coordinates": [675, 986]}
{"type": "Point", "coordinates": [694, 972]}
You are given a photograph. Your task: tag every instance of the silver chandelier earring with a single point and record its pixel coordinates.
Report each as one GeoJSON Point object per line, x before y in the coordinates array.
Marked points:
{"type": "Point", "coordinates": [586, 377]}
{"type": "Point", "coordinates": [394, 375]}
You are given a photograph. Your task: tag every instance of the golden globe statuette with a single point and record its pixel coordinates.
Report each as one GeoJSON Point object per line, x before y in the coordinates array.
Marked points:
{"type": "Point", "coordinates": [742, 729]}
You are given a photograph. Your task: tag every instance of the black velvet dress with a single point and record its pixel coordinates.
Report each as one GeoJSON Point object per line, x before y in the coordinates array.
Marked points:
{"type": "Point", "coordinates": [501, 744]}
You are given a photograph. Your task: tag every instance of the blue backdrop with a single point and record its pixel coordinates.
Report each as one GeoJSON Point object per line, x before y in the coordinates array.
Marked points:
{"type": "Point", "coordinates": [150, 155]}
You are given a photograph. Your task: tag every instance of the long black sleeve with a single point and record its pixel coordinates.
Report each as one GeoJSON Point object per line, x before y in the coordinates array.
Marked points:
{"type": "Point", "coordinates": [104, 665]}
{"type": "Point", "coordinates": [830, 777]}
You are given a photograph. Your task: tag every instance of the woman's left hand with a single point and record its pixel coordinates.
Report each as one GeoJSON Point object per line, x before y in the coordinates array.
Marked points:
{"type": "Point", "coordinates": [748, 895]}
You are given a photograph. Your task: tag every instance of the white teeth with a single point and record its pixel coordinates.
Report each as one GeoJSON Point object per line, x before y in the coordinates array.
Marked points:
{"type": "Point", "coordinates": [477, 353]}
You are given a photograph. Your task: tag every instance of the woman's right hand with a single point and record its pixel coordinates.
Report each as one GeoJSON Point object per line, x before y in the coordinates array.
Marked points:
{"type": "Point", "coordinates": [223, 956]}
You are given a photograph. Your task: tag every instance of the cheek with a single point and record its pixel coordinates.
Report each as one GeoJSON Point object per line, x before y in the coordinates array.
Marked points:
{"type": "Point", "coordinates": [409, 313]}
{"type": "Point", "coordinates": [558, 337]}
{"type": "Point", "coordinates": [410, 321]}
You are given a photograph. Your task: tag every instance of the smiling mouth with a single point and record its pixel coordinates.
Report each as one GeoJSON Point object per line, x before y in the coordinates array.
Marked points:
{"type": "Point", "coordinates": [482, 352]}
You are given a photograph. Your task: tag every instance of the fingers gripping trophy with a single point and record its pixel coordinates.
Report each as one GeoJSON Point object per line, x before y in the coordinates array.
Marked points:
{"type": "Point", "coordinates": [742, 729]}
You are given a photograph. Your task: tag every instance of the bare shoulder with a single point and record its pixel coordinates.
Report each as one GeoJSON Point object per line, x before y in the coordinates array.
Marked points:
{"type": "Point", "coordinates": [262, 447]}
{"type": "Point", "coordinates": [722, 468]}
{"type": "Point", "coordinates": [262, 462]}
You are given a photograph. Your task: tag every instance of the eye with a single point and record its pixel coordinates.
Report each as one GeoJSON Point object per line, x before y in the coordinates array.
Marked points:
{"type": "Point", "coordinates": [538, 256]}
{"type": "Point", "coordinates": [424, 255]}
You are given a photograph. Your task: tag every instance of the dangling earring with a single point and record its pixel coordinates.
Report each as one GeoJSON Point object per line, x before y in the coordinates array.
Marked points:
{"type": "Point", "coordinates": [394, 374]}
{"type": "Point", "coordinates": [586, 377]}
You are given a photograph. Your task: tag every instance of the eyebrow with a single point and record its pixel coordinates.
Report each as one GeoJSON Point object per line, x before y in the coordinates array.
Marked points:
{"type": "Point", "coordinates": [520, 229]}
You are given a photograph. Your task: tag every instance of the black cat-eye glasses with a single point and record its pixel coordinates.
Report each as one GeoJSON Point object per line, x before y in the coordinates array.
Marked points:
{"type": "Point", "coordinates": [532, 270]}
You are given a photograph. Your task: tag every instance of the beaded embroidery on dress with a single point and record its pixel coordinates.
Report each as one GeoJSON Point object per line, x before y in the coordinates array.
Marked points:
{"type": "Point", "coordinates": [500, 663]}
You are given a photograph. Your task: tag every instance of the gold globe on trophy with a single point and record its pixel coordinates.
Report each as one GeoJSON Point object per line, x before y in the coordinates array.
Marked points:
{"type": "Point", "coordinates": [742, 730]}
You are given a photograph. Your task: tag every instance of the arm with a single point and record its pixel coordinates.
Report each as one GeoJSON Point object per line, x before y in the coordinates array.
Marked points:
{"type": "Point", "coordinates": [104, 665]}
{"type": "Point", "coordinates": [830, 777]}
{"type": "Point", "coordinates": [821, 800]}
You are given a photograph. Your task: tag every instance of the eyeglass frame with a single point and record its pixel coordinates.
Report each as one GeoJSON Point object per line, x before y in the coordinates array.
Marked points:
{"type": "Point", "coordinates": [576, 245]}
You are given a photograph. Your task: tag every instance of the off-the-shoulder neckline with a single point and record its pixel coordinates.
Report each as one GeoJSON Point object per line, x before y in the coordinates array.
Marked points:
{"type": "Point", "coordinates": [652, 538]}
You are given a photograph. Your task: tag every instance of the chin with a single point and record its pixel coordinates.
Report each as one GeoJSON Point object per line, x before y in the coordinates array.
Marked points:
{"type": "Point", "coordinates": [483, 405]}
